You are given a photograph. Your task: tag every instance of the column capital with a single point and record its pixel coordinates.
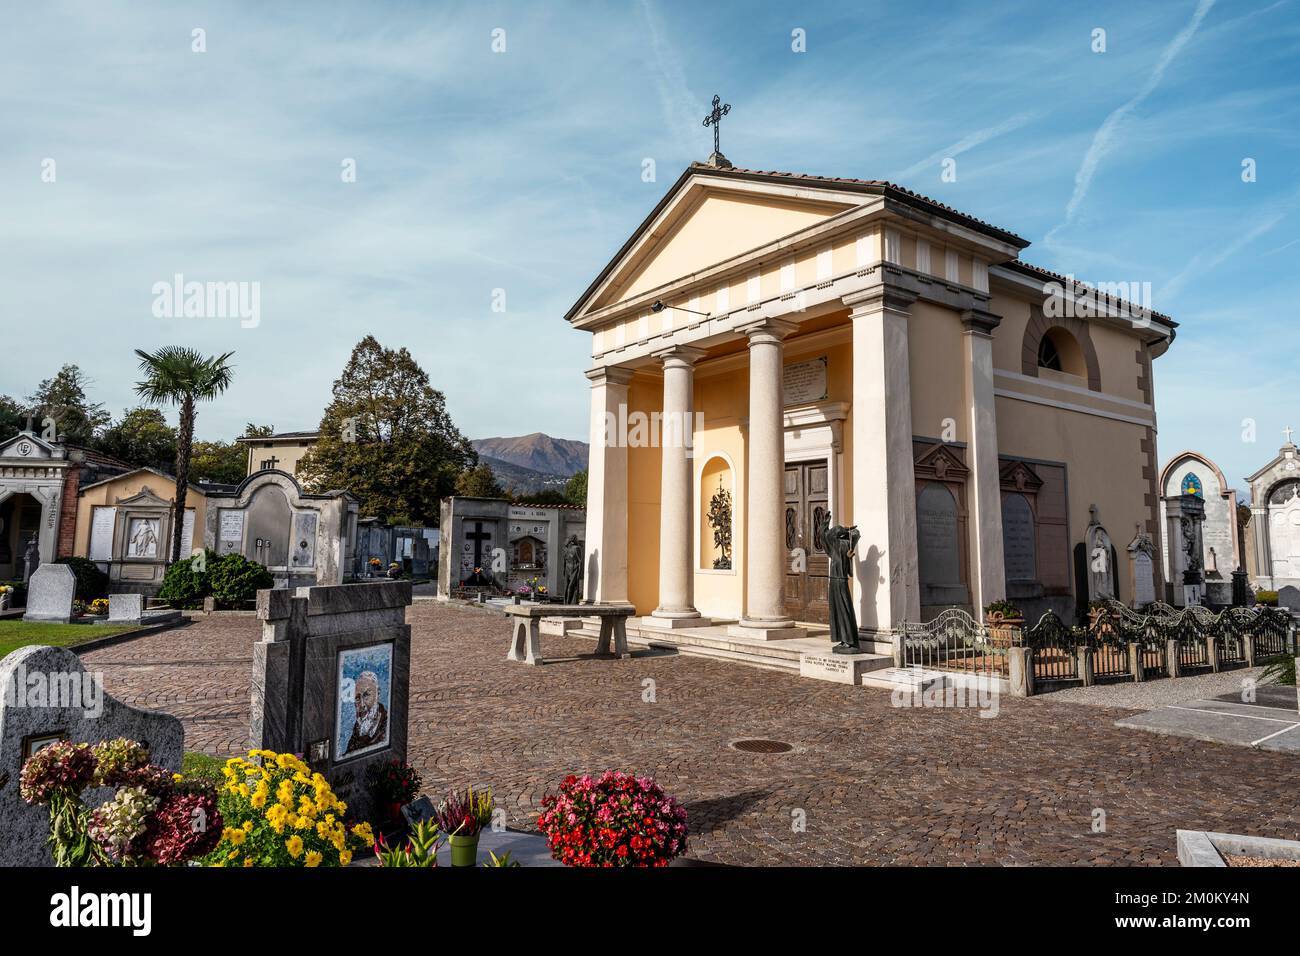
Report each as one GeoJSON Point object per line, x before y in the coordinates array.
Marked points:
{"type": "Point", "coordinates": [679, 356]}
{"type": "Point", "coordinates": [878, 297]}
{"type": "Point", "coordinates": [766, 331]}
{"type": "Point", "coordinates": [980, 321]}
{"type": "Point", "coordinates": [609, 375]}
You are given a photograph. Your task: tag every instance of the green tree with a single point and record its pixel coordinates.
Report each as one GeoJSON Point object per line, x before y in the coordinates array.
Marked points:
{"type": "Point", "coordinates": [62, 400]}
{"type": "Point", "coordinates": [547, 496]}
{"type": "Point", "coordinates": [387, 438]}
{"type": "Point", "coordinates": [142, 437]}
{"type": "Point", "coordinates": [225, 463]}
{"type": "Point", "coordinates": [575, 489]}
{"type": "Point", "coordinates": [479, 482]}
{"type": "Point", "coordinates": [180, 376]}
{"type": "Point", "coordinates": [13, 416]}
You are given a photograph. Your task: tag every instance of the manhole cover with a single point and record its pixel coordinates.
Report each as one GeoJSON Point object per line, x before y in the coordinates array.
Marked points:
{"type": "Point", "coordinates": [763, 746]}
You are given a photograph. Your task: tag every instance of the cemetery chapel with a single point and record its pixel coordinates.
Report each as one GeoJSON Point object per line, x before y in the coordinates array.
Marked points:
{"type": "Point", "coordinates": [848, 350]}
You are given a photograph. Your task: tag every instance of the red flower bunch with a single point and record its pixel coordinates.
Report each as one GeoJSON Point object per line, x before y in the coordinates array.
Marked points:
{"type": "Point", "coordinates": [615, 819]}
{"type": "Point", "coordinates": [61, 767]}
{"type": "Point", "coordinates": [185, 826]}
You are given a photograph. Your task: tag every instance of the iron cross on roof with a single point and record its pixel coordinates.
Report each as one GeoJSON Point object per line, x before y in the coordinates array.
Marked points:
{"type": "Point", "coordinates": [714, 119]}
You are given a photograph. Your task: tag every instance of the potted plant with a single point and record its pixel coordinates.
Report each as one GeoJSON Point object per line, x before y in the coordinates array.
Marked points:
{"type": "Point", "coordinates": [375, 565]}
{"type": "Point", "coordinates": [462, 816]}
{"type": "Point", "coordinates": [395, 784]}
{"type": "Point", "coordinates": [616, 819]}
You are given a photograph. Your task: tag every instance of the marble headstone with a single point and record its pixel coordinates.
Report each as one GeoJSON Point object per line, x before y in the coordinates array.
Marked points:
{"type": "Point", "coordinates": [126, 608]}
{"type": "Point", "coordinates": [47, 694]}
{"type": "Point", "coordinates": [50, 593]}
{"type": "Point", "coordinates": [1289, 597]}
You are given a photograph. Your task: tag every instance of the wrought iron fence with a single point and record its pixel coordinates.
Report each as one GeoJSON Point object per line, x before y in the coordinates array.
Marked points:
{"type": "Point", "coordinates": [1053, 647]}
{"type": "Point", "coordinates": [954, 641]}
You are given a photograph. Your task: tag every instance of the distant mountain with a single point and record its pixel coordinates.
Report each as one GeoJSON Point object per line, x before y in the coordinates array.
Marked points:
{"type": "Point", "coordinates": [522, 480]}
{"type": "Point", "coordinates": [535, 452]}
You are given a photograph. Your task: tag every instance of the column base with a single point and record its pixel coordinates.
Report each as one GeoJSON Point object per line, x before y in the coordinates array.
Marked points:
{"type": "Point", "coordinates": [673, 620]}
{"type": "Point", "coordinates": [765, 630]}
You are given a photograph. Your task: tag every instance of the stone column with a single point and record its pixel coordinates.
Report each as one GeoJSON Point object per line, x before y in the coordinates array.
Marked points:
{"type": "Point", "coordinates": [676, 500]}
{"type": "Point", "coordinates": [887, 588]}
{"type": "Point", "coordinates": [766, 556]}
{"type": "Point", "coordinates": [605, 571]}
{"type": "Point", "coordinates": [988, 568]}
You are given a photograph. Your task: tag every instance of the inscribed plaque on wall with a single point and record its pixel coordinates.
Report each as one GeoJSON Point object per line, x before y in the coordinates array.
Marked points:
{"type": "Point", "coordinates": [936, 537]}
{"type": "Point", "coordinates": [1018, 538]}
{"type": "Point", "coordinates": [231, 534]}
{"type": "Point", "coordinates": [101, 534]}
{"type": "Point", "coordinates": [805, 382]}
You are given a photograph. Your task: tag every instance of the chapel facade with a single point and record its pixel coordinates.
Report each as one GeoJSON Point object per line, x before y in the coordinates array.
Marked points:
{"type": "Point", "coordinates": [776, 352]}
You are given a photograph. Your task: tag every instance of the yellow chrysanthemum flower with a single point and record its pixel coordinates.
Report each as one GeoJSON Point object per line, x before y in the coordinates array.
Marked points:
{"type": "Point", "coordinates": [294, 846]}
{"type": "Point", "coordinates": [248, 826]}
{"type": "Point", "coordinates": [363, 832]}
{"type": "Point", "coordinates": [258, 800]}
{"type": "Point", "coordinates": [313, 858]}
{"type": "Point", "coordinates": [345, 857]}
{"type": "Point", "coordinates": [236, 837]}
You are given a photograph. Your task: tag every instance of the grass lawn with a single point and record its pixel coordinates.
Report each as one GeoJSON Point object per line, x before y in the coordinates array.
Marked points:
{"type": "Point", "coordinates": [16, 634]}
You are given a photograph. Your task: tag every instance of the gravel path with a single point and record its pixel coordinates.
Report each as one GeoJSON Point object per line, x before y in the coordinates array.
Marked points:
{"type": "Point", "coordinates": [1151, 694]}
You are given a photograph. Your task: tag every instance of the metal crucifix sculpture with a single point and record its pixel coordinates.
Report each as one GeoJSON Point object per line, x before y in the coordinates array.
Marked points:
{"type": "Point", "coordinates": [714, 119]}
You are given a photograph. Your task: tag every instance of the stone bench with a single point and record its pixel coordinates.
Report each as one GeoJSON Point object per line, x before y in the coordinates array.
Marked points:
{"type": "Point", "coordinates": [526, 632]}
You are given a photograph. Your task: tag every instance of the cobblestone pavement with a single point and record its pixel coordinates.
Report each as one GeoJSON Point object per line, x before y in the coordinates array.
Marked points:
{"type": "Point", "coordinates": [871, 783]}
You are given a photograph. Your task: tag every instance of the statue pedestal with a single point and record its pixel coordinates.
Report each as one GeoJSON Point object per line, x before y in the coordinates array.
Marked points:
{"type": "Point", "coordinates": [840, 668]}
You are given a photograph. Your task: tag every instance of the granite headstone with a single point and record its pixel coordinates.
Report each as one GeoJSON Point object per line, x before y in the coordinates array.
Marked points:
{"type": "Point", "coordinates": [50, 593]}
{"type": "Point", "coordinates": [46, 694]}
{"type": "Point", "coordinates": [330, 681]}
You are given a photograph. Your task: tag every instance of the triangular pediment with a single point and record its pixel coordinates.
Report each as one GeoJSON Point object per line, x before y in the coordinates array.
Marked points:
{"type": "Point", "coordinates": [145, 497]}
{"type": "Point", "coordinates": [704, 221]}
{"type": "Point", "coordinates": [941, 463]}
{"type": "Point", "coordinates": [29, 447]}
{"type": "Point", "coordinates": [1017, 476]}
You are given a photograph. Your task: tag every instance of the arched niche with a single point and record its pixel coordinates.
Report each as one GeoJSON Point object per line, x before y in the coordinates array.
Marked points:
{"type": "Point", "coordinates": [716, 500]}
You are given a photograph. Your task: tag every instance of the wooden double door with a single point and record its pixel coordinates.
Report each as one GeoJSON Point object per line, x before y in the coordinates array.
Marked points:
{"type": "Point", "coordinates": [807, 578]}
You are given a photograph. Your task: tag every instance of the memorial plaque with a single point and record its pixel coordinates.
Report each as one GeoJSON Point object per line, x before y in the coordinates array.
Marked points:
{"type": "Point", "coordinates": [1144, 591]}
{"type": "Point", "coordinates": [936, 537]}
{"type": "Point", "coordinates": [805, 382]}
{"type": "Point", "coordinates": [1018, 538]}
{"type": "Point", "coordinates": [101, 534]}
{"type": "Point", "coordinates": [231, 532]}
{"type": "Point", "coordinates": [187, 533]}
{"type": "Point", "coordinates": [304, 540]}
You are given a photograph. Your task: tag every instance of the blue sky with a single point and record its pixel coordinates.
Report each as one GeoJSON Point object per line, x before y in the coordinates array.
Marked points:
{"type": "Point", "coordinates": [521, 171]}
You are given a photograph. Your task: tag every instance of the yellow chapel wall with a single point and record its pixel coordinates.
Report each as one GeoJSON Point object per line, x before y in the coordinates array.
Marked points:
{"type": "Point", "coordinates": [110, 492]}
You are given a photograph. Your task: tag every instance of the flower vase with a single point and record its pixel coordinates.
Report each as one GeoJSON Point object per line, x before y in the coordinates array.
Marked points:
{"type": "Point", "coordinates": [464, 849]}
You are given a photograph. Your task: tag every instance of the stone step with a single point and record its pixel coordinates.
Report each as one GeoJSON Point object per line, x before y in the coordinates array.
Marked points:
{"type": "Point", "coordinates": [770, 656]}
{"type": "Point", "coordinates": [890, 678]}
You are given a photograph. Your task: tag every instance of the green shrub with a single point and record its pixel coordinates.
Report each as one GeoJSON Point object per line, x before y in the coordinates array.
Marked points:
{"type": "Point", "coordinates": [231, 579]}
{"type": "Point", "coordinates": [91, 582]}
{"type": "Point", "coordinates": [1266, 598]}
{"type": "Point", "coordinates": [235, 580]}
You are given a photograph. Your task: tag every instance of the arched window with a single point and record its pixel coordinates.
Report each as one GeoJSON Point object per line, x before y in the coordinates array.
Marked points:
{"type": "Point", "coordinates": [1192, 485]}
{"type": "Point", "coordinates": [1059, 351]}
{"type": "Point", "coordinates": [1048, 357]}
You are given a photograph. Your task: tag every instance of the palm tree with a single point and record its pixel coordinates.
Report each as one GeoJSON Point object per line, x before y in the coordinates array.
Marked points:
{"type": "Point", "coordinates": [180, 376]}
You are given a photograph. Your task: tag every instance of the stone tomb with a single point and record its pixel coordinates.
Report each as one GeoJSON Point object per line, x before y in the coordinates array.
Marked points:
{"type": "Point", "coordinates": [47, 695]}
{"type": "Point", "coordinates": [330, 681]}
{"type": "Point", "coordinates": [303, 539]}
{"type": "Point", "coordinates": [50, 593]}
{"type": "Point", "coordinates": [472, 543]}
